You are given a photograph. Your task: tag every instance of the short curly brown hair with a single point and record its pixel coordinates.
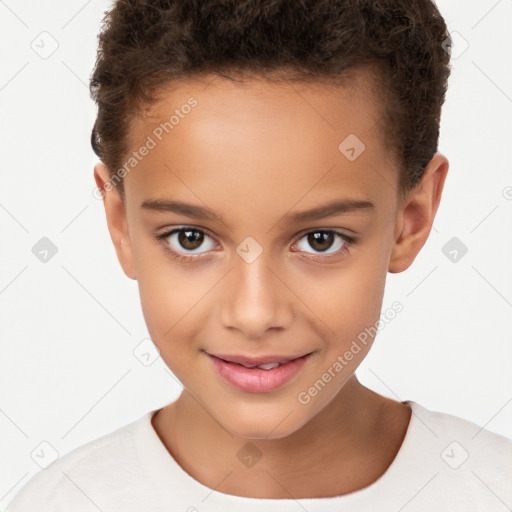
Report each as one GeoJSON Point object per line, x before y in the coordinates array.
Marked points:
{"type": "Point", "coordinates": [144, 45]}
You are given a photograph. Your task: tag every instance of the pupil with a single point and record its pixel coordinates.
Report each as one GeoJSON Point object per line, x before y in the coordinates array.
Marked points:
{"type": "Point", "coordinates": [320, 238]}
{"type": "Point", "coordinates": [189, 237]}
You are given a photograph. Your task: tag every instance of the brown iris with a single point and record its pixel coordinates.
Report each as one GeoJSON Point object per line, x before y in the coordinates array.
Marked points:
{"type": "Point", "coordinates": [189, 237]}
{"type": "Point", "coordinates": [321, 238]}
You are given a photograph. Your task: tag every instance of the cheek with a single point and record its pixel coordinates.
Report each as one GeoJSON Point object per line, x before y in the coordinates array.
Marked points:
{"type": "Point", "coordinates": [167, 292]}
{"type": "Point", "coordinates": [347, 305]}
{"type": "Point", "coordinates": [173, 302]}
{"type": "Point", "coordinates": [167, 297]}
{"type": "Point", "coordinates": [347, 298]}
{"type": "Point", "coordinates": [169, 322]}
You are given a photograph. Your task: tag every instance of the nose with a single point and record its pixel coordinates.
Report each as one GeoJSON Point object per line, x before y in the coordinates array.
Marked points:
{"type": "Point", "coordinates": [254, 299]}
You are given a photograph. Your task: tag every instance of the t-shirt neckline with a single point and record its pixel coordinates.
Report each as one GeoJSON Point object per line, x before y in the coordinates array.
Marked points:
{"type": "Point", "coordinates": [170, 478]}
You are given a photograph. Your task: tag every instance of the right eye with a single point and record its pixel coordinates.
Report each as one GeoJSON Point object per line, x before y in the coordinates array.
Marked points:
{"type": "Point", "coordinates": [184, 238]}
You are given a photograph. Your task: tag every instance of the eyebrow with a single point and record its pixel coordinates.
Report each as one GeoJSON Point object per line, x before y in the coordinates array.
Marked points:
{"type": "Point", "coordinates": [189, 210]}
{"type": "Point", "coordinates": [328, 209]}
{"type": "Point", "coordinates": [202, 213]}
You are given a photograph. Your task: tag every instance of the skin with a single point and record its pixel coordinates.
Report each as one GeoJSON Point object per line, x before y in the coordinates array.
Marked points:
{"type": "Point", "coordinates": [253, 152]}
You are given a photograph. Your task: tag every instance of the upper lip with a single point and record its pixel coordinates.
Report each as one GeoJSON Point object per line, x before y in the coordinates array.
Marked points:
{"type": "Point", "coordinates": [255, 361]}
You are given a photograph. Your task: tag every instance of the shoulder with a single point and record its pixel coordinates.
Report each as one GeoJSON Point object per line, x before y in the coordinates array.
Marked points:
{"type": "Point", "coordinates": [83, 477]}
{"type": "Point", "coordinates": [466, 461]}
{"type": "Point", "coordinates": [475, 438]}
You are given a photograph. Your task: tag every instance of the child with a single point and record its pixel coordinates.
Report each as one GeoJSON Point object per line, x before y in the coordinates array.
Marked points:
{"type": "Point", "coordinates": [236, 138]}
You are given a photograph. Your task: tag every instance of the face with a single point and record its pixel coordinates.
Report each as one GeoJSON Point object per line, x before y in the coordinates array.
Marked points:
{"type": "Point", "coordinates": [227, 261]}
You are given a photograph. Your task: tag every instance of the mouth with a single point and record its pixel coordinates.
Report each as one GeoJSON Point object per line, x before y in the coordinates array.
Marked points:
{"type": "Point", "coordinates": [264, 362]}
{"type": "Point", "coordinates": [258, 374]}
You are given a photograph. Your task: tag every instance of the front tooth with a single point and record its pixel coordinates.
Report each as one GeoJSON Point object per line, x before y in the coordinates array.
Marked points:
{"type": "Point", "coordinates": [268, 366]}
{"type": "Point", "coordinates": [246, 365]}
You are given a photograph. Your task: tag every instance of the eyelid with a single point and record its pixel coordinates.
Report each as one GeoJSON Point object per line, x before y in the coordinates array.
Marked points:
{"type": "Point", "coordinates": [349, 234]}
{"type": "Point", "coordinates": [176, 229]}
{"type": "Point", "coordinates": [349, 241]}
{"type": "Point", "coordinates": [340, 231]}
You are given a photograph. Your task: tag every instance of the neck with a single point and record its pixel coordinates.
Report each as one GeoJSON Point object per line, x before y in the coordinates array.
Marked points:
{"type": "Point", "coordinates": [357, 429]}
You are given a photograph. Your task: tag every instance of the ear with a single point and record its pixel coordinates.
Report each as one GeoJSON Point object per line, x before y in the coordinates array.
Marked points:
{"type": "Point", "coordinates": [116, 219]}
{"type": "Point", "coordinates": [416, 214]}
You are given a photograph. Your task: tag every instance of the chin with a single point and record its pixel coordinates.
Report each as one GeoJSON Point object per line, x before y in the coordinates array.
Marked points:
{"type": "Point", "coordinates": [261, 424]}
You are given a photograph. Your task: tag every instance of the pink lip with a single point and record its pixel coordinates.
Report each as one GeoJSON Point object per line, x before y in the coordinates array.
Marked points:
{"type": "Point", "coordinates": [255, 380]}
{"type": "Point", "coordinates": [254, 361]}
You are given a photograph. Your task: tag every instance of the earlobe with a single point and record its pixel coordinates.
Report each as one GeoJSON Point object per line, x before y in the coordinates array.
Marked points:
{"type": "Point", "coordinates": [115, 211]}
{"type": "Point", "coordinates": [416, 215]}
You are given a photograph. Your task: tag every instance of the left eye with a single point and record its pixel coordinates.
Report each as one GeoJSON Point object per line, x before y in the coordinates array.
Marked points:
{"type": "Point", "coordinates": [323, 240]}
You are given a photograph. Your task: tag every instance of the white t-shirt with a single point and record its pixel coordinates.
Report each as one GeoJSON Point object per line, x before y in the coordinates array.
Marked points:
{"type": "Point", "coordinates": [445, 463]}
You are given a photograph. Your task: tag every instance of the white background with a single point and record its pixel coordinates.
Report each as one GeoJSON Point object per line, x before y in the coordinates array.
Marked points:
{"type": "Point", "coordinates": [69, 326]}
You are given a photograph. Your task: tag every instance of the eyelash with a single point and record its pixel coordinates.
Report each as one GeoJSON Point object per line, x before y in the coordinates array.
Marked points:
{"type": "Point", "coordinates": [162, 240]}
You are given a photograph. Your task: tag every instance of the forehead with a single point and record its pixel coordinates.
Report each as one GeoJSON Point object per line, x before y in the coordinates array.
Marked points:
{"type": "Point", "coordinates": [275, 142]}
{"type": "Point", "coordinates": [351, 104]}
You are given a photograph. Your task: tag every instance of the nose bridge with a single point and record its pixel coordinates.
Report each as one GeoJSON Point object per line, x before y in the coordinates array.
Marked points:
{"type": "Point", "coordinates": [255, 299]}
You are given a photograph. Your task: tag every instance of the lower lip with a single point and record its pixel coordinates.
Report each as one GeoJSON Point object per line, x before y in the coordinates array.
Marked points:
{"type": "Point", "coordinates": [256, 380]}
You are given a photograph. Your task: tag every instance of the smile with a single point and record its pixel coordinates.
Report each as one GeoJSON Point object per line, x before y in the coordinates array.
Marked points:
{"type": "Point", "coordinates": [258, 376]}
